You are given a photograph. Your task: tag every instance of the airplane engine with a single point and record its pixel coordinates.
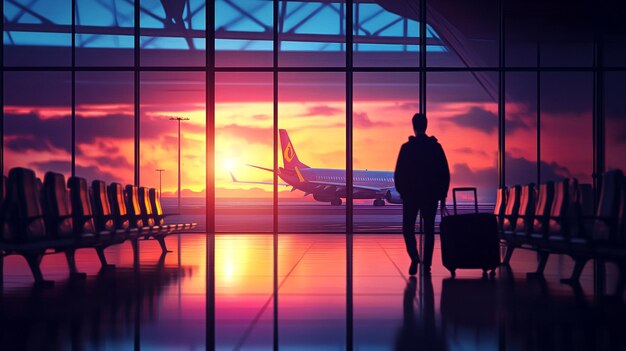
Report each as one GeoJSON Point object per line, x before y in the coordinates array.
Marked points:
{"type": "Point", "coordinates": [393, 197]}
{"type": "Point", "coordinates": [323, 197]}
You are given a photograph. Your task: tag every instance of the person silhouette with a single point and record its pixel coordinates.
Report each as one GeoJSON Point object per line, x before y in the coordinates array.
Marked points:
{"type": "Point", "coordinates": [422, 178]}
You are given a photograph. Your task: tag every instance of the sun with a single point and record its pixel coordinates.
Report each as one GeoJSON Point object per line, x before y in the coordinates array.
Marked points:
{"type": "Point", "coordinates": [229, 164]}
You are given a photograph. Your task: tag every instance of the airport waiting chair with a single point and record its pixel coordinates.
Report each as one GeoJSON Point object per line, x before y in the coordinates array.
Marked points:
{"type": "Point", "coordinates": [24, 227]}
{"type": "Point", "coordinates": [105, 220]}
{"type": "Point", "coordinates": [510, 213]}
{"type": "Point", "coordinates": [157, 209]}
{"type": "Point", "coordinates": [525, 212]}
{"type": "Point", "coordinates": [500, 206]}
{"type": "Point", "coordinates": [509, 221]}
{"type": "Point", "coordinates": [543, 210]}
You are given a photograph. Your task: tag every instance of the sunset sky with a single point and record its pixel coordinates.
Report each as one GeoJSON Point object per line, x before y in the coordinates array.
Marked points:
{"type": "Point", "coordinates": [311, 108]}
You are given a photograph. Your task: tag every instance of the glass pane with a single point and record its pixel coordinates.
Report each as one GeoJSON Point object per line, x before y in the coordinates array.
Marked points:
{"type": "Point", "coordinates": [312, 33]}
{"type": "Point", "coordinates": [463, 115]}
{"type": "Point", "coordinates": [37, 121]}
{"type": "Point", "coordinates": [521, 33]}
{"type": "Point", "coordinates": [166, 95]}
{"type": "Point", "coordinates": [173, 33]}
{"type": "Point", "coordinates": [387, 36]}
{"type": "Point", "coordinates": [384, 104]}
{"type": "Point", "coordinates": [521, 129]}
{"type": "Point", "coordinates": [312, 152]}
{"type": "Point", "coordinates": [615, 125]}
{"type": "Point", "coordinates": [104, 33]}
{"type": "Point", "coordinates": [470, 28]}
{"type": "Point", "coordinates": [243, 141]}
{"type": "Point", "coordinates": [566, 126]}
{"type": "Point", "coordinates": [243, 33]}
{"type": "Point", "coordinates": [105, 126]}
{"type": "Point", "coordinates": [37, 33]}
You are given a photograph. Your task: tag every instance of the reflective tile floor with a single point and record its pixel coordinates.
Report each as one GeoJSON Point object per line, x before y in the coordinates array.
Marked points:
{"type": "Point", "coordinates": [163, 304]}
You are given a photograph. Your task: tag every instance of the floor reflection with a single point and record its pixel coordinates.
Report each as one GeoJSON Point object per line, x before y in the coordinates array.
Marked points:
{"type": "Point", "coordinates": [162, 304]}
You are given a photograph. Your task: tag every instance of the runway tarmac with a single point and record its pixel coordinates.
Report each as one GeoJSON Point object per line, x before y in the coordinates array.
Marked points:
{"type": "Point", "coordinates": [237, 216]}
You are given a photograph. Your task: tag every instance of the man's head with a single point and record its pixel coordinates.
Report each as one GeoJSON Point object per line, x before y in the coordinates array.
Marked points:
{"type": "Point", "coordinates": [420, 123]}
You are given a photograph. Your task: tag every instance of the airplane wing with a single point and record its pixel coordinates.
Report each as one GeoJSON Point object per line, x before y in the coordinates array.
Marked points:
{"type": "Point", "coordinates": [235, 180]}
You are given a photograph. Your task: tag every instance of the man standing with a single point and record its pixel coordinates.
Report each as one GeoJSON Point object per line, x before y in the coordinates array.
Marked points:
{"type": "Point", "coordinates": [422, 178]}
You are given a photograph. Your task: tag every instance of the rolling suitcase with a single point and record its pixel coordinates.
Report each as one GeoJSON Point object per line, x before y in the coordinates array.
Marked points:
{"type": "Point", "coordinates": [469, 240]}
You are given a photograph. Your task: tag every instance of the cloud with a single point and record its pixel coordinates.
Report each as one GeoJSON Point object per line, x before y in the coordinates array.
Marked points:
{"type": "Point", "coordinates": [261, 117]}
{"type": "Point", "coordinates": [32, 132]}
{"type": "Point", "coordinates": [362, 120]}
{"type": "Point", "coordinates": [476, 118]}
{"type": "Point", "coordinates": [520, 170]}
{"type": "Point", "coordinates": [88, 172]}
{"type": "Point", "coordinates": [321, 110]}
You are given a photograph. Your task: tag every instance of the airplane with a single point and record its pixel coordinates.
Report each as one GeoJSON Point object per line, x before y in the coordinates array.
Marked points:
{"type": "Point", "coordinates": [329, 185]}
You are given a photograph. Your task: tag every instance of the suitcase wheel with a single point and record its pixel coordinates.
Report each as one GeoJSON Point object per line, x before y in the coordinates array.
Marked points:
{"type": "Point", "coordinates": [492, 273]}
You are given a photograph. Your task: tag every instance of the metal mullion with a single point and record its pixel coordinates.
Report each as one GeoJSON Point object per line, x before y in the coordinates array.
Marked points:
{"type": "Point", "coordinates": [349, 175]}
{"type": "Point", "coordinates": [501, 98]}
{"type": "Point", "coordinates": [136, 90]}
{"type": "Point", "coordinates": [73, 100]}
{"type": "Point", "coordinates": [538, 83]}
{"type": "Point", "coordinates": [422, 58]}
{"type": "Point", "coordinates": [308, 69]}
{"type": "Point", "coordinates": [275, 51]}
{"type": "Point", "coordinates": [2, 100]}
{"type": "Point", "coordinates": [210, 174]}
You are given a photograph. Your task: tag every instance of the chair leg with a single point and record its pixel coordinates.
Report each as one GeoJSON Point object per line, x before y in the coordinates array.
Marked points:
{"type": "Point", "coordinates": [1, 270]}
{"type": "Point", "coordinates": [71, 263]}
{"type": "Point", "coordinates": [541, 265]}
{"type": "Point", "coordinates": [621, 282]}
{"type": "Point", "coordinates": [103, 258]}
{"type": "Point", "coordinates": [161, 240]}
{"type": "Point", "coordinates": [34, 263]}
{"type": "Point", "coordinates": [135, 244]}
{"type": "Point", "coordinates": [579, 265]}
{"type": "Point", "coordinates": [507, 255]}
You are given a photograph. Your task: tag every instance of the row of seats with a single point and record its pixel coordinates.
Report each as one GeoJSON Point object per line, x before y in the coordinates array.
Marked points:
{"type": "Point", "coordinates": [54, 216]}
{"type": "Point", "coordinates": [558, 218]}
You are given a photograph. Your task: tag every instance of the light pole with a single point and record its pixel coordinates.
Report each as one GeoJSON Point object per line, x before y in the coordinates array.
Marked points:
{"type": "Point", "coordinates": [160, 174]}
{"type": "Point", "coordinates": [179, 119]}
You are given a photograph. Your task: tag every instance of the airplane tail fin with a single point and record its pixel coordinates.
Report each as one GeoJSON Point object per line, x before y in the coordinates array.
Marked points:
{"type": "Point", "coordinates": [290, 158]}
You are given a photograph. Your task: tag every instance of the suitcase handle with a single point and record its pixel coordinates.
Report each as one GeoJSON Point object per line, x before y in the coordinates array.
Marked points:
{"type": "Point", "coordinates": [455, 190]}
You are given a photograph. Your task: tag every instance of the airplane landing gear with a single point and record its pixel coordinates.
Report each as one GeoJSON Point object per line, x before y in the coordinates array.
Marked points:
{"type": "Point", "coordinates": [379, 202]}
{"type": "Point", "coordinates": [336, 202]}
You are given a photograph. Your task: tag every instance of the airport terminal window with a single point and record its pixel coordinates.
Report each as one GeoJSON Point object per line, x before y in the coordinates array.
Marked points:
{"type": "Point", "coordinates": [166, 32]}
{"type": "Point", "coordinates": [312, 113]}
{"type": "Point", "coordinates": [385, 38]}
{"type": "Point", "coordinates": [244, 33]}
{"type": "Point", "coordinates": [470, 30]}
{"type": "Point", "coordinates": [566, 126]}
{"type": "Point", "coordinates": [37, 33]}
{"type": "Point", "coordinates": [312, 33]}
{"type": "Point", "coordinates": [105, 126]}
{"type": "Point", "coordinates": [521, 128]}
{"type": "Point", "coordinates": [37, 122]}
{"type": "Point", "coordinates": [244, 139]}
{"type": "Point", "coordinates": [383, 106]}
{"type": "Point", "coordinates": [615, 122]}
{"type": "Point", "coordinates": [166, 95]}
{"type": "Point", "coordinates": [460, 36]}
{"type": "Point", "coordinates": [104, 35]}
{"type": "Point", "coordinates": [470, 114]}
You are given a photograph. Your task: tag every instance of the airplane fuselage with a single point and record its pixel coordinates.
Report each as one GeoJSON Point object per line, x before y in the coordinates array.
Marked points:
{"type": "Point", "coordinates": [327, 185]}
